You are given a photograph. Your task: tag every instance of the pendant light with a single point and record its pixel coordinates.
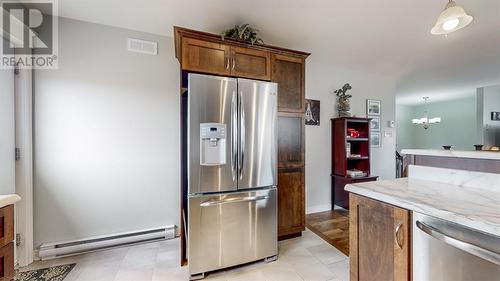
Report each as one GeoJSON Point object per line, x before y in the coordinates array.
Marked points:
{"type": "Point", "coordinates": [425, 121]}
{"type": "Point", "coordinates": [452, 18]}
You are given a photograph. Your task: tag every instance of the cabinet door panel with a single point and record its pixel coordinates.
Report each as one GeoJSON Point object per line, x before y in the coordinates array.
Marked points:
{"type": "Point", "coordinates": [6, 225]}
{"type": "Point", "coordinates": [289, 73]}
{"type": "Point", "coordinates": [379, 237]}
{"type": "Point", "coordinates": [250, 63]}
{"type": "Point", "coordinates": [291, 197]}
{"type": "Point", "coordinates": [7, 262]}
{"type": "Point", "coordinates": [290, 141]}
{"type": "Point", "coordinates": [205, 56]}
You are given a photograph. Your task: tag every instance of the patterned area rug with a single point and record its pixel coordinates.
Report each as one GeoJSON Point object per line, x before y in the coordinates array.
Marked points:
{"type": "Point", "coordinates": [55, 273]}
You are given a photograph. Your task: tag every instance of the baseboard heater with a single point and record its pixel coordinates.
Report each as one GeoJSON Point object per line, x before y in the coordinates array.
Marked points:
{"type": "Point", "coordinates": [69, 248]}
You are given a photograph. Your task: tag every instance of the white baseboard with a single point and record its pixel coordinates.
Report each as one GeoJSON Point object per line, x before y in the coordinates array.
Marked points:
{"type": "Point", "coordinates": [318, 208]}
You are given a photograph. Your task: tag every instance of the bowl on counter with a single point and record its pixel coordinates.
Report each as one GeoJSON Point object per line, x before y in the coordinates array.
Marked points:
{"type": "Point", "coordinates": [448, 147]}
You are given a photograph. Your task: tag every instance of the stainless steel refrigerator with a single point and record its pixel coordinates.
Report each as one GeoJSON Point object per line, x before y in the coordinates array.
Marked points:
{"type": "Point", "coordinates": [231, 172]}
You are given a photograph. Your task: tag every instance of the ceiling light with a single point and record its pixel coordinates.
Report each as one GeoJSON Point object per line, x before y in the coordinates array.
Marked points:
{"type": "Point", "coordinates": [450, 24]}
{"type": "Point", "coordinates": [425, 121]}
{"type": "Point", "coordinates": [452, 18]}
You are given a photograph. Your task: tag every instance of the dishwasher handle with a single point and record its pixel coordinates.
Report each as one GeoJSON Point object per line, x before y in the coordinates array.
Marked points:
{"type": "Point", "coordinates": [233, 200]}
{"type": "Point", "coordinates": [459, 244]}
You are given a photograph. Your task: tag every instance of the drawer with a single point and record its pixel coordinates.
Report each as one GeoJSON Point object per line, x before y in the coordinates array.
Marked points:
{"type": "Point", "coordinates": [230, 229]}
{"type": "Point", "coordinates": [6, 225]}
{"type": "Point", "coordinates": [7, 262]}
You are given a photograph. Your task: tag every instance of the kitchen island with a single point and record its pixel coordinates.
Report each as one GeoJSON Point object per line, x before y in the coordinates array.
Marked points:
{"type": "Point", "coordinates": [395, 222]}
{"type": "Point", "coordinates": [479, 161]}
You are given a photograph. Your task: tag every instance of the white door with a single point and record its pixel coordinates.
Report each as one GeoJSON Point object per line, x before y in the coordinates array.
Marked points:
{"type": "Point", "coordinates": [7, 132]}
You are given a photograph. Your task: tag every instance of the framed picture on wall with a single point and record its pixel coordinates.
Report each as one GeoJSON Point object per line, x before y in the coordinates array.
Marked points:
{"type": "Point", "coordinates": [495, 116]}
{"type": "Point", "coordinates": [374, 123]}
{"type": "Point", "coordinates": [373, 107]}
{"type": "Point", "coordinates": [375, 139]}
{"type": "Point", "coordinates": [312, 112]}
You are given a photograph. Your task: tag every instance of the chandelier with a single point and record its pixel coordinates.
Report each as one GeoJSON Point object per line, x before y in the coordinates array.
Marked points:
{"type": "Point", "coordinates": [425, 121]}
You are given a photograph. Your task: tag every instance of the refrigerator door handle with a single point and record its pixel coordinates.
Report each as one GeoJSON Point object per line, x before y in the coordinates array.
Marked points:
{"type": "Point", "coordinates": [242, 136]}
{"type": "Point", "coordinates": [234, 134]}
{"type": "Point", "coordinates": [234, 200]}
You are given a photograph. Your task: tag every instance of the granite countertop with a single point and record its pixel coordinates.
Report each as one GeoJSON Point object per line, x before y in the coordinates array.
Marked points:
{"type": "Point", "coordinates": [467, 198]}
{"type": "Point", "coordinates": [483, 154]}
{"type": "Point", "coordinates": [8, 199]}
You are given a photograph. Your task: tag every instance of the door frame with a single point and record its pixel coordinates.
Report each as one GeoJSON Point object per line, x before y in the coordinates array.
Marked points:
{"type": "Point", "coordinates": [23, 90]}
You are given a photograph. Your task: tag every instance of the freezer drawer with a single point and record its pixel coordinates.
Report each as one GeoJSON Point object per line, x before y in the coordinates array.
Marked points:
{"type": "Point", "coordinates": [231, 229]}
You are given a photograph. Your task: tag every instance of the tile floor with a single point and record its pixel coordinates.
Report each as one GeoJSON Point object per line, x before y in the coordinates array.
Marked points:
{"type": "Point", "coordinates": [304, 258]}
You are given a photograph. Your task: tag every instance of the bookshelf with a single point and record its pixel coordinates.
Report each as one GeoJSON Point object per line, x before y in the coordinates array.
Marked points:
{"type": "Point", "coordinates": [350, 152]}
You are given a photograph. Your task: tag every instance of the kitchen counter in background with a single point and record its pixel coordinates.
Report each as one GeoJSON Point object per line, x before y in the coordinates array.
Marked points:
{"type": "Point", "coordinates": [479, 161]}
{"type": "Point", "coordinates": [467, 198]}
{"type": "Point", "coordinates": [483, 154]}
{"type": "Point", "coordinates": [8, 199]}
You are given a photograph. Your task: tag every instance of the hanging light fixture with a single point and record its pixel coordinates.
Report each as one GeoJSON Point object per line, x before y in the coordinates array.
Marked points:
{"type": "Point", "coordinates": [452, 18]}
{"type": "Point", "coordinates": [425, 121]}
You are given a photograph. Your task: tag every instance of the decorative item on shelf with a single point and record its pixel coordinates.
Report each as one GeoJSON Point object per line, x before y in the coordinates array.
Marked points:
{"type": "Point", "coordinates": [425, 121]}
{"type": "Point", "coordinates": [352, 133]}
{"type": "Point", "coordinates": [373, 107]}
{"type": "Point", "coordinates": [312, 112]}
{"type": "Point", "coordinates": [495, 148]}
{"type": "Point", "coordinates": [451, 19]}
{"type": "Point", "coordinates": [478, 147]}
{"type": "Point", "coordinates": [448, 147]}
{"type": "Point", "coordinates": [348, 150]}
{"type": "Point", "coordinates": [356, 173]}
{"type": "Point", "coordinates": [242, 32]}
{"type": "Point", "coordinates": [343, 102]}
{"type": "Point", "coordinates": [375, 139]}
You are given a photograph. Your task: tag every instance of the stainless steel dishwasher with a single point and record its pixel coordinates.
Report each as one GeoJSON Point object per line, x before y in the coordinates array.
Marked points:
{"type": "Point", "coordinates": [450, 252]}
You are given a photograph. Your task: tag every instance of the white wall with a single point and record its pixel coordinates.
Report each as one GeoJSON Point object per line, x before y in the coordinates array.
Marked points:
{"type": "Point", "coordinates": [7, 131]}
{"type": "Point", "coordinates": [106, 136]}
{"type": "Point", "coordinates": [405, 133]}
{"type": "Point", "coordinates": [321, 80]}
{"type": "Point", "coordinates": [457, 127]}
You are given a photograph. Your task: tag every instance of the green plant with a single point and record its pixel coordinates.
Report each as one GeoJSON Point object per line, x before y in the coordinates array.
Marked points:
{"type": "Point", "coordinates": [242, 32]}
{"type": "Point", "coordinates": [343, 102]}
{"type": "Point", "coordinates": [341, 93]}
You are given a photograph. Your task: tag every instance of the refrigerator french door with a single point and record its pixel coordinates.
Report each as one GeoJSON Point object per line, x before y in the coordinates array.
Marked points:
{"type": "Point", "coordinates": [232, 171]}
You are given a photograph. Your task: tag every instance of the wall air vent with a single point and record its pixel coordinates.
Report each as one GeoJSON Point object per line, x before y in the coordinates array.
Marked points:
{"type": "Point", "coordinates": [142, 46]}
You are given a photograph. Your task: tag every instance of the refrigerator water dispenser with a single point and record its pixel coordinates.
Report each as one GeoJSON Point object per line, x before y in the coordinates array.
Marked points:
{"type": "Point", "coordinates": [212, 144]}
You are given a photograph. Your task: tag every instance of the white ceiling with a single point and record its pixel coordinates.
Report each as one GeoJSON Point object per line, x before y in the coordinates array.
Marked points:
{"type": "Point", "coordinates": [389, 37]}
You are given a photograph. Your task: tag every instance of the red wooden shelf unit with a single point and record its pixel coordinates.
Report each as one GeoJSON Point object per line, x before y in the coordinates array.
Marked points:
{"type": "Point", "coordinates": [350, 151]}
